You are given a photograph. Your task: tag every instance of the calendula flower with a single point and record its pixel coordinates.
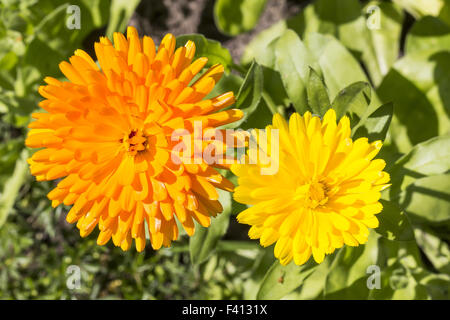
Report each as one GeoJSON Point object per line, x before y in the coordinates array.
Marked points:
{"type": "Point", "coordinates": [107, 134]}
{"type": "Point", "coordinates": [325, 193]}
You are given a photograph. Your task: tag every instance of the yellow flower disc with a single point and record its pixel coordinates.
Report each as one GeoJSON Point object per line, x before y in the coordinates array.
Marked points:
{"type": "Point", "coordinates": [324, 194]}
{"type": "Point", "coordinates": [107, 134]}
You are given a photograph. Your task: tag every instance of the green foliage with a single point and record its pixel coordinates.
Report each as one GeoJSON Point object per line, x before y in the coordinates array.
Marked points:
{"type": "Point", "coordinates": [236, 16]}
{"type": "Point", "coordinates": [280, 280]}
{"type": "Point", "coordinates": [249, 94]}
{"type": "Point", "coordinates": [120, 13]}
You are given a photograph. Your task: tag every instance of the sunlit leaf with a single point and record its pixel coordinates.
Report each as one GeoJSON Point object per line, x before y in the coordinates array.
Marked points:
{"type": "Point", "coordinates": [317, 93]}
{"type": "Point", "coordinates": [120, 14]}
{"type": "Point", "coordinates": [236, 16]}
{"type": "Point", "coordinates": [281, 280]}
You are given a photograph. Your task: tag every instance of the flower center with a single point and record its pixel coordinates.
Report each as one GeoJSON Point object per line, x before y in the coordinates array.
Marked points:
{"type": "Point", "coordinates": [135, 142]}
{"type": "Point", "coordinates": [313, 194]}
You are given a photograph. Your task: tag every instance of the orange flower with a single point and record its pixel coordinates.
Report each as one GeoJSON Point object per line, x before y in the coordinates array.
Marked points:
{"type": "Point", "coordinates": [107, 133]}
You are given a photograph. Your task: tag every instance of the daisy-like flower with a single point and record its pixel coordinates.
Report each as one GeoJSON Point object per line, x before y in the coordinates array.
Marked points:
{"type": "Point", "coordinates": [325, 193]}
{"type": "Point", "coordinates": [107, 134]}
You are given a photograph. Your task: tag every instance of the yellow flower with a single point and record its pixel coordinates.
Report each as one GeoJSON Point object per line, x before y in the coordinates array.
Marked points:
{"type": "Point", "coordinates": [325, 193]}
{"type": "Point", "coordinates": [107, 133]}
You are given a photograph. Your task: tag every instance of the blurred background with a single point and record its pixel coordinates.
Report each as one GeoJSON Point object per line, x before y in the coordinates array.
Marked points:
{"type": "Point", "coordinates": [37, 246]}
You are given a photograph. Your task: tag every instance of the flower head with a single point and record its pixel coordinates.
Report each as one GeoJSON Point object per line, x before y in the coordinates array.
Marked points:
{"type": "Point", "coordinates": [107, 134]}
{"type": "Point", "coordinates": [324, 195]}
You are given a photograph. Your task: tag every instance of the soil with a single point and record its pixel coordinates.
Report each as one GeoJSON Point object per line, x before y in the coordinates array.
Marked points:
{"type": "Point", "coordinates": [158, 17]}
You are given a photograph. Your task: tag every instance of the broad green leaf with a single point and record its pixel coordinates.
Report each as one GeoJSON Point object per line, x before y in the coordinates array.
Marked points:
{"type": "Point", "coordinates": [262, 263]}
{"type": "Point", "coordinates": [382, 34]}
{"type": "Point", "coordinates": [233, 17]}
{"type": "Point", "coordinates": [376, 125]}
{"type": "Point", "coordinates": [339, 18]}
{"type": "Point", "coordinates": [436, 250]}
{"type": "Point", "coordinates": [249, 94]}
{"type": "Point", "coordinates": [208, 48]}
{"type": "Point", "coordinates": [120, 14]}
{"type": "Point", "coordinates": [418, 86]}
{"type": "Point", "coordinates": [397, 283]}
{"type": "Point", "coordinates": [262, 48]}
{"type": "Point", "coordinates": [12, 186]}
{"type": "Point", "coordinates": [313, 286]}
{"type": "Point", "coordinates": [437, 285]}
{"type": "Point", "coordinates": [273, 86]}
{"type": "Point", "coordinates": [429, 33]}
{"type": "Point", "coordinates": [339, 68]}
{"type": "Point", "coordinates": [428, 158]}
{"type": "Point", "coordinates": [401, 271]}
{"type": "Point", "coordinates": [393, 223]}
{"type": "Point", "coordinates": [428, 198]}
{"type": "Point", "coordinates": [317, 94]}
{"type": "Point", "coordinates": [205, 240]}
{"type": "Point", "coordinates": [260, 118]}
{"type": "Point", "coordinates": [281, 280]}
{"type": "Point", "coordinates": [352, 101]}
{"type": "Point", "coordinates": [420, 8]}
{"type": "Point", "coordinates": [292, 60]}
{"type": "Point", "coordinates": [374, 40]}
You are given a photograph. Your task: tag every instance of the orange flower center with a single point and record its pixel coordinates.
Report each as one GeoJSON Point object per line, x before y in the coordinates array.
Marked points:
{"type": "Point", "coordinates": [313, 194]}
{"type": "Point", "coordinates": [135, 142]}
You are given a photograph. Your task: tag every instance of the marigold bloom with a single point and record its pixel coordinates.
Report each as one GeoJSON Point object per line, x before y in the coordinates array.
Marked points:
{"type": "Point", "coordinates": [324, 195]}
{"type": "Point", "coordinates": [107, 133]}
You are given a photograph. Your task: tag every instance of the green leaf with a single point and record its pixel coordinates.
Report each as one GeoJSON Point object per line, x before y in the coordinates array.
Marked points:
{"type": "Point", "coordinates": [381, 38]}
{"type": "Point", "coordinates": [376, 125]}
{"type": "Point", "coordinates": [436, 250]}
{"type": "Point", "coordinates": [262, 47]}
{"type": "Point", "coordinates": [12, 186]}
{"type": "Point", "coordinates": [428, 158]}
{"type": "Point", "coordinates": [339, 18]}
{"type": "Point", "coordinates": [428, 33]}
{"type": "Point", "coordinates": [249, 94]}
{"type": "Point", "coordinates": [394, 224]}
{"type": "Point", "coordinates": [428, 198]}
{"type": "Point", "coordinates": [339, 68]}
{"type": "Point", "coordinates": [281, 280]}
{"type": "Point", "coordinates": [293, 60]}
{"type": "Point", "coordinates": [418, 86]}
{"type": "Point", "coordinates": [349, 269]}
{"type": "Point", "coordinates": [205, 240]}
{"type": "Point", "coordinates": [228, 82]}
{"type": "Point", "coordinates": [208, 48]}
{"type": "Point", "coordinates": [352, 101]}
{"type": "Point", "coordinates": [233, 17]}
{"type": "Point", "coordinates": [420, 8]}
{"type": "Point", "coordinates": [375, 40]}
{"type": "Point", "coordinates": [402, 271]}
{"type": "Point", "coordinates": [273, 85]}
{"type": "Point", "coordinates": [317, 93]}
{"type": "Point", "coordinates": [120, 14]}
{"type": "Point", "coordinates": [313, 286]}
